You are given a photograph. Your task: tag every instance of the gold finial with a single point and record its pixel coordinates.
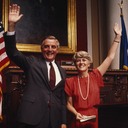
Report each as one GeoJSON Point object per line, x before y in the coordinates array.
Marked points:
{"type": "Point", "coordinates": [121, 7]}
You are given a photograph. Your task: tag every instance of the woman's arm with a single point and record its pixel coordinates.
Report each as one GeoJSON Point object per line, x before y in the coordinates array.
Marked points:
{"type": "Point", "coordinates": [72, 109]}
{"type": "Point", "coordinates": [111, 54]}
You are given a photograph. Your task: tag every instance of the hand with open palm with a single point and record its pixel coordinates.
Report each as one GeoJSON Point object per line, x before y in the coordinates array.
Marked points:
{"type": "Point", "coordinates": [14, 16]}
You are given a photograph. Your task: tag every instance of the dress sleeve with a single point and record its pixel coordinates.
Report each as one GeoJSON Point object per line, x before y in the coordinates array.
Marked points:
{"type": "Point", "coordinates": [68, 86]}
{"type": "Point", "coordinates": [99, 77]}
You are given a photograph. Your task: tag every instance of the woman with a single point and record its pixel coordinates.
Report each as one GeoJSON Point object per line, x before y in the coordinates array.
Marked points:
{"type": "Point", "coordinates": [83, 90]}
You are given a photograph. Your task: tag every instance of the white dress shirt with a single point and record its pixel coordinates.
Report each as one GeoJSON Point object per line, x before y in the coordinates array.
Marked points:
{"type": "Point", "coordinates": [57, 72]}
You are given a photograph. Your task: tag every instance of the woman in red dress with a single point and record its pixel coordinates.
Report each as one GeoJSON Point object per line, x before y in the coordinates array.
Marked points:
{"type": "Point", "coordinates": [83, 91]}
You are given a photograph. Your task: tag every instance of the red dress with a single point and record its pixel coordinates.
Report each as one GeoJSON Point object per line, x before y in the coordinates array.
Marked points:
{"type": "Point", "coordinates": [85, 107]}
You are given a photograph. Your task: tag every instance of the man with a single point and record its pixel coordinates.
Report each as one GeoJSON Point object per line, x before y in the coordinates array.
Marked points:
{"type": "Point", "coordinates": [42, 106]}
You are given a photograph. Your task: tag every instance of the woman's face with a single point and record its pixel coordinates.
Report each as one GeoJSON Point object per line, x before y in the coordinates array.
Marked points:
{"type": "Point", "coordinates": [82, 64]}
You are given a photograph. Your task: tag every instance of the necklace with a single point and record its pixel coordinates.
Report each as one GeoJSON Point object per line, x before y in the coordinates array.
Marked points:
{"type": "Point", "coordinates": [84, 98]}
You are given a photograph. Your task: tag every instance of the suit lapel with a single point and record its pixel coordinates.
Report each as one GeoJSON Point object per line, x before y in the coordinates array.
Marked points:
{"type": "Point", "coordinates": [44, 70]}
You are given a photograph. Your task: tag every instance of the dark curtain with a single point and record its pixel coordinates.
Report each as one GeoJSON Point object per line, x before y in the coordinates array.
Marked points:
{"type": "Point", "coordinates": [0, 10]}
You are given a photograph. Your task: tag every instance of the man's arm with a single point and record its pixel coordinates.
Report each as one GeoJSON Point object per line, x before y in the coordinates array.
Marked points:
{"type": "Point", "coordinates": [10, 38]}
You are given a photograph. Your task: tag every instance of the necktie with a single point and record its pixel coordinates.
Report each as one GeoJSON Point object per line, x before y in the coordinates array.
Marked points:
{"type": "Point", "coordinates": [52, 76]}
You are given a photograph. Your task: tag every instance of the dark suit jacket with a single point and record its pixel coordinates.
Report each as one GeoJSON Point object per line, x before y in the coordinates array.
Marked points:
{"type": "Point", "coordinates": [39, 102]}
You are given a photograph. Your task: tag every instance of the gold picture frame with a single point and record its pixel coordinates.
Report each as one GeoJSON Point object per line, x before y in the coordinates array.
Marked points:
{"type": "Point", "coordinates": [71, 45]}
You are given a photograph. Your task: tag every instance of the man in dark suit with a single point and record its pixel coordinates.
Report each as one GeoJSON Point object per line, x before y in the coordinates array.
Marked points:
{"type": "Point", "coordinates": [41, 106]}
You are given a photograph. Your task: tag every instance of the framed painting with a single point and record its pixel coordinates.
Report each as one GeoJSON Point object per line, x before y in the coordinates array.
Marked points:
{"type": "Point", "coordinates": [42, 18]}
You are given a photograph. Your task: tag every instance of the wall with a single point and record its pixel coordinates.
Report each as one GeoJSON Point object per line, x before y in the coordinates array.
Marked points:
{"type": "Point", "coordinates": [113, 10]}
{"type": "Point", "coordinates": [81, 31]}
{"type": "Point", "coordinates": [104, 15]}
{"type": "Point", "coordinates": [81, 25]}
{"type": "Point", "coordinates": [108, 15]}
{"type": "Point", "coordinates": [95, 21]}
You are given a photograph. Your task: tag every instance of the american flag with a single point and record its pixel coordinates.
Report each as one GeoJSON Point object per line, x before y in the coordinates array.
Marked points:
{"type": "Point", "coordinates": [4, 62]}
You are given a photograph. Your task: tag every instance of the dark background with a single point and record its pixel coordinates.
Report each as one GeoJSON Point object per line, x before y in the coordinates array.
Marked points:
{"type": "Point", "coordinates": [0, 10]}
{"type": "Point", "coordinates": [42, 18]}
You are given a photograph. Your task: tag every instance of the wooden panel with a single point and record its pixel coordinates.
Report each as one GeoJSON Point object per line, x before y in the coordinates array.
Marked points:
{"type": "Point", "coordinates": [113, 116]}
{"type": "Point", "coordinates": [114, 91]}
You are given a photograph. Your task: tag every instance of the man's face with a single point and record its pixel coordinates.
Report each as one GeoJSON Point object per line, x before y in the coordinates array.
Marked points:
{"type": "Point", "coordinates": [49, 49]}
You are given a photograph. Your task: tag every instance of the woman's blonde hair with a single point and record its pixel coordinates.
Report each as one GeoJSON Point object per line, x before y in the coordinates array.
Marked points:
{"type": "Point", "coordinates": [82, 54]}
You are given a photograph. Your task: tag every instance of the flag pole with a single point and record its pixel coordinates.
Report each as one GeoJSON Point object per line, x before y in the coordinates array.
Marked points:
{"type": "Point", "coordinates": [121, 7]}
